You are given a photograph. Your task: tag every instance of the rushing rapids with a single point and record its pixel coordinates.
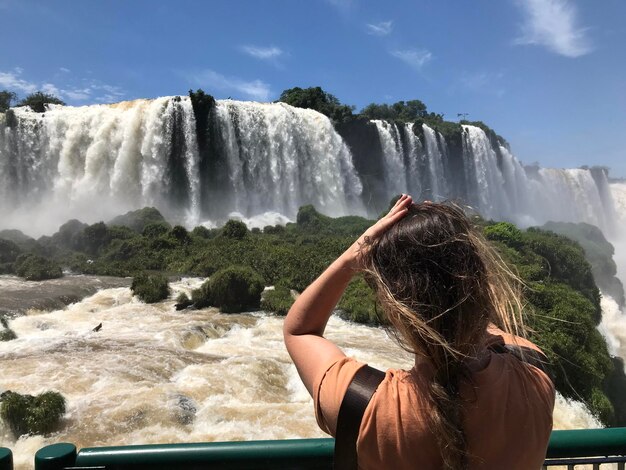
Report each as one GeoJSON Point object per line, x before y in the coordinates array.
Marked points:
{"type": "Point", "coordinates": [154, 375]}
{"type": "Point", "coordinates": [263, 160]}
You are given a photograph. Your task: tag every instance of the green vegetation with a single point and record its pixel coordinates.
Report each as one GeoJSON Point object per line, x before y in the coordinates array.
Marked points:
{"type": "Point", "coordinates": [38, 101]}
{"type": "Point", "coordinates": [182, 301]}
{"type": "Point", "coordinates": [150, 288]}
{"type": "Point", "coordinates": [139, 219]}
{"type": "Point", "coordinates": [36, 268]}
{"type": "Point", "coordinates": [234, 289]}
{"type": "Point", "coordinates": [235, 229]}
{"type": "Point", "coordinates": [278, 301]}
{"type": "Point", "coordinates": [6, 333]}
{"type": "Point", "coordinates": [319, 100]}
{"type": "Point", "coordinates": [27, 414]}
{"type": "Point", "coordinates": [7, 99]}
{"type": "Point", "coordinates": [598, 251]}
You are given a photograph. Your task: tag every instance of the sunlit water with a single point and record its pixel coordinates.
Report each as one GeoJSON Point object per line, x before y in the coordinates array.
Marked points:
{"type": "Point", "coordinates": [155, 375]}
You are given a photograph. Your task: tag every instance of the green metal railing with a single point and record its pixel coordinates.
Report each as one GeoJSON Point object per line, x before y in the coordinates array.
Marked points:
{"type": "Point", "coordinates": [566, 448]}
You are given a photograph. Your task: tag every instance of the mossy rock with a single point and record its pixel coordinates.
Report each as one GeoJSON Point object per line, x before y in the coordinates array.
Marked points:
{"type": "Point", "coordinates": [27, 414]}
{"type": "Point", "coordinates": [182, 301]}
{"type": "Point", "coordinates": [150, 288]}
{"type": "Point", "coordinates": [236, 289]}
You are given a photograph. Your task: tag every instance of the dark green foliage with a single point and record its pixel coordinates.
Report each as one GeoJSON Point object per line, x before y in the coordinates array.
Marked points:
{"type": "Point", "coordinates": [7, 98]}
{"type": "Point", "coordinates": [25, 242]}
{"type": "Point", "coordinates": [38, 101]}
{"type": "Point", "coordinates": [182, 301]}
{"type": "Point", "coordinates": [9, 251]}
{"type": "Point", "coordinates": [70, 235]}
{"type": "Point", "coordinates": [407, 111]}
{"type": "Point", "coordinates": [201, 297]}
{"type": "Point", "coordinates": [155, 229]}
{"type": "Point", "coordinates": [274, 229]}
{"type": "Point", "coordinates": [150, 288]}
{"type": "Point", "coordinates": [203, 232]}
{"type": "Point", "coordinates": [235, 229]}
{"type": "Point", "coordinates": [180, 235]}
{"type": "Point", "coordinates": [598, 251]}
{"type": "Point", "coordinates": [319, 100]}
{"type": "Point", "coordinates": [27, 414]}
{"type": "Point", "coordinates": [615, 384]}
{"type": "Point", "coordinates": [236, 289]}
{"type": "Point", "coordinates": [278, 301]}
{"type": "Point", "coordinates": [358, 303]}
{"type": "Point", "coordinates": [36, 268]}
{"type": "Point", "coordinates": [7, 334]}
{"type": "Point", "coordinates": [137, 220]}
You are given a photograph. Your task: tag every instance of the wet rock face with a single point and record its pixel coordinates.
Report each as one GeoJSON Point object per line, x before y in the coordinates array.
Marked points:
{"type": "Point", "coordinates": [19, 296]}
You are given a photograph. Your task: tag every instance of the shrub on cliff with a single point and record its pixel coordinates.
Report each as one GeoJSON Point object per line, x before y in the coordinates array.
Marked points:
{"type": "Point", "coordinates": [278, 301]}
{"type": "Point", "coordinates": [27, 414]}
{"type": "Point", "coordinates": [319, 100]}
{"type": "Point", "coordinates": [36, 268]}
{"type": "Point", "coordinates": [137, 220]}
{"type": "Point", "coordinates": [38, 101]}
{"type": "Point", "coordinates": [9, 251]}
{"type": "Point", "coordinates": [358, 303]}
{"type": "Point", "coordinates": [235, 229]}
{"type": "Point", "coordinates": [236, 289]}
{"type": "Point", "coordinates": [150, 288]}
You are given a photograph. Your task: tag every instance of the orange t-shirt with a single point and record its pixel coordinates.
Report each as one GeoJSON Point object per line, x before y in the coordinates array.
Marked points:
{"type": "Point", "coordinates": [507, 415]}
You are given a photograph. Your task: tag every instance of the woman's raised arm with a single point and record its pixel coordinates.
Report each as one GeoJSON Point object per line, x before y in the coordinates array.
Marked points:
{"type": "Point", "coordinates": [306, 321]}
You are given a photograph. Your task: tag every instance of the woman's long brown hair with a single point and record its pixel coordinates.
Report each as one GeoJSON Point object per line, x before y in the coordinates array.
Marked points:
{"type": "Point", "coordinates": [440, 285]}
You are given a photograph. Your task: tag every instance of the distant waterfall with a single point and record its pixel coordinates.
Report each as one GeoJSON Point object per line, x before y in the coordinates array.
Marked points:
{"type": "Point", "coordinates": [393, 154]}
{"type": "Point", "coordinates": [261, 162]}
{"type": "Point", "coordinates": [95, 162]}
{"type": "Point", "coordinates": [490, 179]}
{"type": "Point", "coordinates": [280, 158]}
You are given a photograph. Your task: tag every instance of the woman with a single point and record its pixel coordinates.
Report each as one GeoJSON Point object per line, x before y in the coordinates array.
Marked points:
{"type": "Point", "coordinates": [466, 404]}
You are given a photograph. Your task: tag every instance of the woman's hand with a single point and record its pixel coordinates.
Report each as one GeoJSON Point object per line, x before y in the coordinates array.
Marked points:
{"type": "Point", "coordinates": [354, 255]}
{"type": "Point", "coordinates": [304, 326]}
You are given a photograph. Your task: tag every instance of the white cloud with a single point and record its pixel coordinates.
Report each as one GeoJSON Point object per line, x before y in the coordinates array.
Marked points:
{"type": "Point", "coordinates": [380, 29]}
{"type": "Point", "coordinates": [64, 70]}
{"type": "Point", "coordinates": [12, 82]}
{"type": "Point", "coordinates": [255, 89]}
{"type": "Point", "coordinates": [263, 53]}
{"type": "Point", "coordinates": [100, 92]}
{"type": "Point", "coordinates": [553, 24]}
{"type": "Point", "coordinates": [415, 58]}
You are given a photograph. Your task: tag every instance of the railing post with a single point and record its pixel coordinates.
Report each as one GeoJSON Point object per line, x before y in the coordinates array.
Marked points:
{"type": "Point", "coordinates": [55, 457]}
{"type": "Point", "coordinates": [6, 459]}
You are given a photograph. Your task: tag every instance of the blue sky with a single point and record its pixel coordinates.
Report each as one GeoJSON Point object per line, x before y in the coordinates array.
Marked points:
{"type": "Point", "coordinates": [548, 75]}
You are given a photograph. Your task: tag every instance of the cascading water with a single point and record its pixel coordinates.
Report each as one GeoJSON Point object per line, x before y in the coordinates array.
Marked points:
{"type": "Point", "coordinates": [95, 162]}
{"type": "Point", "coordinates": [393, 154]}
{"type": "Point", "coordinates": [437, 180]}
{"type": "Point", "coordinates": [280, 158]}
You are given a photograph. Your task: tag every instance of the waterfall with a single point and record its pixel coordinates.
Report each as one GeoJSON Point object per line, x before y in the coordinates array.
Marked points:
{"type": "Point", "coordinates": [435, 157]}
{"type": "Point", "coordinates": [263, 162]}
{"type": "Point", "coordinates": [95, 162]}
{"type": "Point", "coordinates": [393, 154]}
{"type": "Point", "coordinates": [280, 158]}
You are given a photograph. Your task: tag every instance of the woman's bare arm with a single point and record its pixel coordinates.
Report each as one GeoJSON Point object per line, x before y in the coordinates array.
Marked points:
{"type": "Point", "coordinates": [306, 321]}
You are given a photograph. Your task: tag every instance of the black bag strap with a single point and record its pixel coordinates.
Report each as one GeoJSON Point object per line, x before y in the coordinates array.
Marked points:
{"type": "Point", "coordinates": [525, 354]}
{"type": "Point", "coordinates": [356, 399]}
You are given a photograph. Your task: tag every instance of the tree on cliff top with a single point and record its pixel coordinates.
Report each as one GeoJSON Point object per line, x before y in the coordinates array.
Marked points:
{"type": "Point", "coordinates": [6, 99]}
{"type": "Point", "coordinates": [38, 101]}
{"type": "Point", "coordinates": [319, 100]}
{"type": "Point", "coordinates": [407, 111]}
